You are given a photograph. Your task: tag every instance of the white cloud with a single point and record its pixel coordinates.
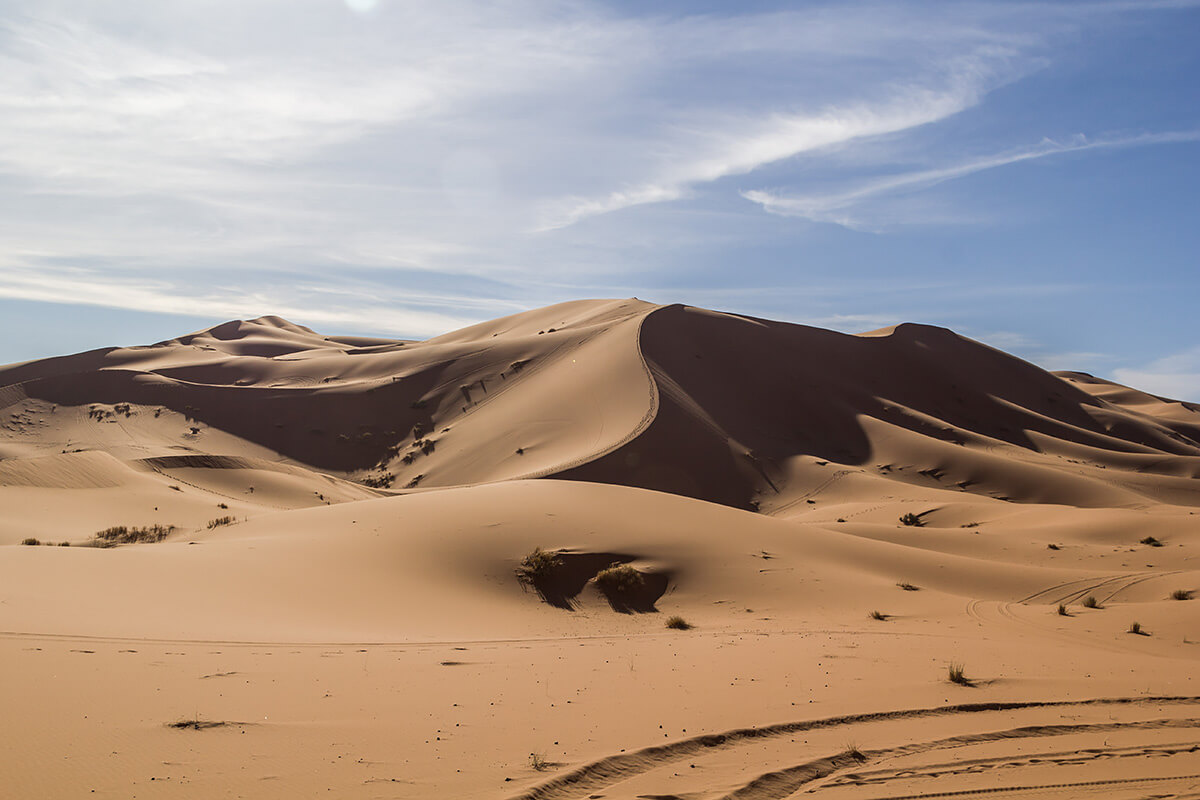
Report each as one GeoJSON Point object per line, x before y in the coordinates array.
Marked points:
{"type": "Point", "coordinates": [1176, 376]}
{"type": "Point", "coordinates": [836, 207]}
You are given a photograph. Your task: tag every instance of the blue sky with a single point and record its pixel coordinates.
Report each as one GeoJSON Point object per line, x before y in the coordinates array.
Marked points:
{"type": "Point", "coordinates": [1024, 173]}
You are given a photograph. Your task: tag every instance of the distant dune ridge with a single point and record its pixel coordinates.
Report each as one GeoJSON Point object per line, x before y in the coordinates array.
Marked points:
{"type": "Point", "coordinates": [583, 472]}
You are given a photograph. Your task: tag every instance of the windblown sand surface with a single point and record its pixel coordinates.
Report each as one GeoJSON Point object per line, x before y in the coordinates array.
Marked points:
{"type": "Point", "coordinates": [335, 610]}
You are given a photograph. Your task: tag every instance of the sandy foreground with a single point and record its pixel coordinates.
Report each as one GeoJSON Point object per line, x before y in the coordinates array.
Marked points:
{"type": "Point", "coordinates": [839, 519]}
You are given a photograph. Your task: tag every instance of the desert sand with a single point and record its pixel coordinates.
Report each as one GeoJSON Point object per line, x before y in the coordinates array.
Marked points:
{"type": "Point", "coordinates": [334, 608]}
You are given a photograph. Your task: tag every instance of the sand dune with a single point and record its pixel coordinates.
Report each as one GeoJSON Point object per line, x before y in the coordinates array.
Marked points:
{"type": "Point", "coordinates": [838, 518]}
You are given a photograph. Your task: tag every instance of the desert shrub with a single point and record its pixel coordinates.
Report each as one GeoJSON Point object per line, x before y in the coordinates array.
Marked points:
{"type": "Point", "coordinates": [31, 542]}
{"type": "Point", "coordinates": [1136, 627]}
{"type": "Point", "coordinates": [1181, 594]}
{"type": "Point", "coordinates": [1150, 540]}
{"type": "Point", "coordinates": [383, 481]}
{"type": "Point", "coordinates": [1062, 610]}
{"type": "Point", "coordinates": [64, 544]}
{"type": "Point", "coordinates": [879, 615]}
{"type": "Point", "coordinates": [219, 521]}
{"type": "Point", "coordinates": [678, 623]}
{"type": "Point", "coordinates": [1091, 602]}
{"type": "Point", "coordinates": [427, 446]}
{"type": "Point", "coordinates": [412, 484]}
{"type": "Point", "coordinates": [222, 506]}
{"type": "Point", "coordinates": [120, 534]}
{"type": "Point", "coordinates": [537, 567]}
{"type": "Point", "coordinates": [618, 579]}
{"type": "Point", "coordinates": [538, 762]}
{"type": "Point", "coordinates": [955, 674]}
{"type": "Point", "coordinates": [1052, 546]}
{"type": "Point", "coordinates": [911, 520]}
{"type": "Point", "coordinates": [908, 587]}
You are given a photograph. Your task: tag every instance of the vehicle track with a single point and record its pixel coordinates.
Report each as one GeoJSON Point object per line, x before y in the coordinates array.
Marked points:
{"type": "Point", "coordinates": [590, 778]}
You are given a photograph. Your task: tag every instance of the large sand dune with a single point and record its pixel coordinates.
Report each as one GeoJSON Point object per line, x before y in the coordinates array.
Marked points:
{"type": "Point", "coordinates": [334, 600]}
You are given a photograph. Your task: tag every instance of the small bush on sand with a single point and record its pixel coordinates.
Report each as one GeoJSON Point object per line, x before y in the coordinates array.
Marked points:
{"type": "Point", "coordinates": [219, 521]}
{"type": "Point", "coordinates": [1062, 610]}
{"type": "Point", "coordinates": [537, 567]}
{"type": "Point", "coordinates": [1181, 594]}
{"type": "Point", "coordinates": [1136, 628]}
{"type": "Point", "coordinates": [538, 762]}
{"type": "Point", "coordinates": [31, 542]}
{"type": "Point", "coordinates": [678, 623]}
{"type": "Point", "coordinates": [912, 520]}
{"type": "Point", "coordinates": [64, 544]}
{"type": "Point", "coordinates": [852, 751]}
{"type": "Point", "coordinates": [618, 579]}
{"type": "Point", "coordinates": [955, 673]}
{"type": "Point", "coordinates": [879, 615]}
{"type": "Point", "coordinates": [1150, 540]}
{"type": "Point", "coordinates": [1091, 602]}
{"type": "Point", "coordinates": [908, 587]}
{"type": "Point", "coordinates": [120, 534]}
{"type": "Point", "coordinates": [1052, 546]}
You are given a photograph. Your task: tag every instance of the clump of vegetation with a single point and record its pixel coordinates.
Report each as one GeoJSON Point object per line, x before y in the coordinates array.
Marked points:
{"type": "Point", "coordinates": [1136, 628]}
{"type": "Point", "coordinates": [197, 724]}
{"type": "Point", "coordinates": [222, 506]}
{"type": "Point", "coordinates": [1181, 594]}
{"type": "Point", "coordinates": [537, 567]}
{"type": "Point", "coordinates": [912, 520]}
{"type": "Point", "coordinates": [879, 615]}
{"type": "Point", "coordinates": [219, 521]}
{"type": "Point", "coordinates": [1150, 540]}
{"type": "Point", "coordinates": [1062, 610]}
{"type": "Point", "coordinates": [383, 481]}
{"type": "Point", "coordinates": [618, 579]}
{"type": "Point", "coordinates": [852, 751]}
{"type": "Point", "coordinates": [30, 542]}
{"type": "Point", "coordinates": [908, 587]}
{"type": "Point", "coordinates": [412, 484]}
{"type": "Point", "coordinates": [679, 624]}
{"type": "Point", "coordinates": [538, 762]}
{"type": "Point", "coordinates": [120, 534]}
{"type": "Point", "coordinates": [1091, 602]}
{"type": "Point", "coordinates": [1052, 546]}
{"type": "Point", "coordinates": [64, 544]}
{"type": "Point", "coordinates": [955, 673]}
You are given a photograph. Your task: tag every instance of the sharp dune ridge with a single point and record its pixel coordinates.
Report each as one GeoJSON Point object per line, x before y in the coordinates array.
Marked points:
{"type": "Point", "coordinates": [599, 547]}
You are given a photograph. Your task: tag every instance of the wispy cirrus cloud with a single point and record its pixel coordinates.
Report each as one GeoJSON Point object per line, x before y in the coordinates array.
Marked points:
{"type": "Point", "coordinates": [838, 206]}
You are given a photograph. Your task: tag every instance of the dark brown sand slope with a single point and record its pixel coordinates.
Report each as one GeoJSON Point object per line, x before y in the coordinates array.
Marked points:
{"type": "Point", "coordinates": [323, 589]}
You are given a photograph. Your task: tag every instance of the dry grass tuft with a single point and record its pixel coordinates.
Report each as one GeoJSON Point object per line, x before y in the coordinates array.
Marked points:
{"type": "Point", "coordinates": [955, 674]}
{"type": "Point", "coordinates": [120, 534]}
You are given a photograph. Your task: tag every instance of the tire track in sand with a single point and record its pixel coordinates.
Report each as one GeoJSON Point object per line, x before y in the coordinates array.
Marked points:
{"type": "Point", "coordinates": [614, 768]}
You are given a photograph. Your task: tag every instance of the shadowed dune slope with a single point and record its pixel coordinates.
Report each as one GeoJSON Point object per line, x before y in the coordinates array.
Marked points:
{"type": "Point", "coordinates": [750, 408]}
